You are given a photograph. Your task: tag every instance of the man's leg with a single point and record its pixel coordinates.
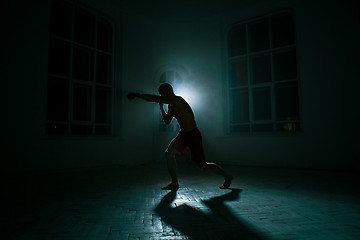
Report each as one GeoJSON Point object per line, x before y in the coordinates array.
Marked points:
{"type": "Point", "coordinates": [171, 165]}
{"type": "Point", "coordinates": [197, 155]}
{"type": "Point", "coordinates": [213, 168]}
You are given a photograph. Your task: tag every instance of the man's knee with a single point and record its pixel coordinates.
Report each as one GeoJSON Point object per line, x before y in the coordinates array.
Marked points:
{"type": "Point", "coordinates": [170, 153]}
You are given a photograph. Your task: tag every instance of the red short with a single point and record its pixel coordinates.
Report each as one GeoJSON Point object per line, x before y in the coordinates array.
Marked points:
{"type": "Point", "coordinates": [192, 140]}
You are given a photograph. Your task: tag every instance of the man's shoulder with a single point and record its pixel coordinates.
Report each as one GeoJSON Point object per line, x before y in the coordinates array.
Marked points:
{"type": "Point", "coordinates": [180, 101]}
{"type": "Point", "coordinates": [179, 98]}
{"type": "Point", "coordinates": [176, 99]}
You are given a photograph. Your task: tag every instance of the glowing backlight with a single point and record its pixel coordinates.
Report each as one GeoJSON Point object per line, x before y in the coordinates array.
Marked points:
{"type": "Point", "coordinates": [188, 93]}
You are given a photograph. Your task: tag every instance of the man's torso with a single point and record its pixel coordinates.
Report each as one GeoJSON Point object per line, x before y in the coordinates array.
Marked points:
{"type": "Point", "coordinates": [182, 111]}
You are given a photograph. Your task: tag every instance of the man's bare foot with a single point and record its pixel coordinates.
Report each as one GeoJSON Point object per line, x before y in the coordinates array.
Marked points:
{"type": "Point", "coordinates": [171, 186]}
{"type": "Point", "coordinates": [227, 182]}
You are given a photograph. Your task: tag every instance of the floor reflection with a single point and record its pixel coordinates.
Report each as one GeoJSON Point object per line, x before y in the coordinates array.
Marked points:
{"type": "Point", "coordinates": [195, 224]}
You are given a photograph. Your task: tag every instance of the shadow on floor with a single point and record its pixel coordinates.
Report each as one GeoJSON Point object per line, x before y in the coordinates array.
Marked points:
{"type": "Point", "coordinates": [195, 224]}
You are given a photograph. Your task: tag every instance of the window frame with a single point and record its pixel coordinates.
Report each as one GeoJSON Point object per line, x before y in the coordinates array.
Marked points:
{"type": "Point", "coordinates": [93, 84]}
{"type": "Point", "coordinates": [250, 85]}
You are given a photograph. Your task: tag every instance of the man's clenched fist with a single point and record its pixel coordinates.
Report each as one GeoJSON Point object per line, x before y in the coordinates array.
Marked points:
{"type": "Point", "coordinates": [131, 96]}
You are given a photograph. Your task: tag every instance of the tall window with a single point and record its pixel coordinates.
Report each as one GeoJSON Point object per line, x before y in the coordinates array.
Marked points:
{"type": "Point", "coordinates": [263, 79]}
{"type": "Point", "coordinates": [173, 78]}
{"type": "Point", "coordinates": [80, 72]}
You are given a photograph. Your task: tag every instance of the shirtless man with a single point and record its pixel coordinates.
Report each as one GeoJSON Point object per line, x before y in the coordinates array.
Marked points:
{"type": "Point", "coordinates": [188, 137]}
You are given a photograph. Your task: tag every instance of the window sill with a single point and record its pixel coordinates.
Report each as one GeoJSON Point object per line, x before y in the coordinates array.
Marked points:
{"type": "Point", "coordinates": [263, 135]}
{"type": "Point", "coordinates": [81, 138]}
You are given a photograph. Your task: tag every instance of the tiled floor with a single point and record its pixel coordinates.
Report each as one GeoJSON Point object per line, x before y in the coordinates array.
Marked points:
{"type": "Point", "coordinates": [128, 203]}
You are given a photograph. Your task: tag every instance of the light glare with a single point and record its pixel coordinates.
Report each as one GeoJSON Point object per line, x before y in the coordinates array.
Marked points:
{"type": "Point", "coordinates": [189, 94]}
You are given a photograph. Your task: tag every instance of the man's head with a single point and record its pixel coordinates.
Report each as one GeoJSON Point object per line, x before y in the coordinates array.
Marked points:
{"type": "Point", "coordinates": [166, 90]}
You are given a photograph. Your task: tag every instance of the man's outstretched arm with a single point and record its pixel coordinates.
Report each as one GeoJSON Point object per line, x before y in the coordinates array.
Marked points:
{"type": "Point", "coordinates": [149, 97]}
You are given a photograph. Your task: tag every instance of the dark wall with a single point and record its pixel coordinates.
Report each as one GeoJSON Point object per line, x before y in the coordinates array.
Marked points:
{"type": "Point", "coordinates": [189, 37]}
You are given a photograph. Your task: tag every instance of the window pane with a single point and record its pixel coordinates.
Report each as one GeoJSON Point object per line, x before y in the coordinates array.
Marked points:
{"type": "Point", "coordinates": [104, 34]}
{"type": "Point", "coordinates": [240, 128]}
{"type": "Point", "coordinates": [263, 127]}
{"type": "Point", "coordinates": [56, 129]}
{"type": "Point", "coordinates": [102, 130]}
{"type": "Point", "coordinates": [240, 106]}
{"type": "Point", "coordinates": [103, 105]}
{"type": "Point", "coordinates": [170, 76]}
{"type": "Point", "coordinates": [285, 65]}
{"type": "Point", "coordinates": [103, 68]}
{"type": "Point", "coordinates": [259, 36]}
{"type": "Point", "coordinates": [163, 78]}
{"type": "Point", "coordinates": [287, 103]}
{"type": "Point", "coordinates": [84, 26]}
{"type": "Point", "coordinates": [82, 102]}
{"type": "Point", "coordinates": [57, 99]}
{"type": "Point", "coordinates": [59, 57]}
{"type": "Point", "coordinates": [178, 78]}
{"type": "Point", "coordinates": [288, 127]}
{"type": "Point", "coordinates": [239, 73]}
{"type": "Point", "coordinates": [262, 103]}
{"type": "Point", "coordinates": [83, 62]}
{"type": "Point", "coordinates": [282, 29]}
{"type": "Point", "coordinates": [260, 69]}
{"type": "Point", "coordinates": [237, 41]}
{"type": "Point", "coordinates": [60, 23]}
{"type": "Point", "coordinates": [80, 129]}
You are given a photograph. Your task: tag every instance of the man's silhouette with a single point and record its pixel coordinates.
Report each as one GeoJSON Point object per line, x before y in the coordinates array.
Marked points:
{"type": "Point", "coordinates": [188, 137]}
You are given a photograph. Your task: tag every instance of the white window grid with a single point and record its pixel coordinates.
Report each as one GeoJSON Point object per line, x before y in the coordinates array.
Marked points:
{"type": "Point", "coordinates": [250, 86]}
{"type": "Point", "coordinates": [93, 84]}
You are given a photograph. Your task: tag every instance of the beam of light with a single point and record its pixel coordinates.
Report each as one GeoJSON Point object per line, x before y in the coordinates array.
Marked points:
{"type": "Point", "coordinates": [189, 92]}
{"type": "Point", "coordinates": [182, 199]}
